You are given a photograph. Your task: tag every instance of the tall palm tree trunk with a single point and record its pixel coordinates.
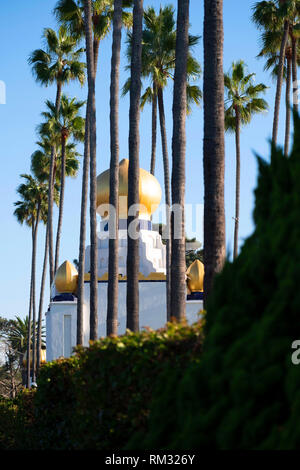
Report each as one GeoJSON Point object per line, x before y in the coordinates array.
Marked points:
{"type": "Point", "coordinates": [178, 264]}
{"type": "Point", "coordinates": [167, 195]}
{"type": "Point", "coordinates": [279, 81]}
{"type": "Point", "coordinates": [50, 193]}
{"type": "Point", "coordinates": [213, 145]}
{"type": "Point", "coordinates": [61, 199]}
{"type": "Point", "coordinates": [288, 109]}
{"type": "Point", "coordinates": [237, 182]}
{"type": "Point", "coordinates": [33, 294]}
{"type": "Point", "coordinates": [113, 261]}
{"type": "Point", "coordinates": [39, 329]}
{"type": "Point", "coordinates": [81, 260]}
{"type": "Point", "coordinates": [28, 370]}
{"type": "Point", "coordinates": [93, 176]}
{"type": "Point", "coordinates": [154, 130]}
{"type": "Point", "coordinates": [96, 45]}
{"type": "Point", "coordinates": [84, 193]}
{"type": "Point", "coordinates": [294, 73]}
{"type": "Point", "coordinates": [132, 300]}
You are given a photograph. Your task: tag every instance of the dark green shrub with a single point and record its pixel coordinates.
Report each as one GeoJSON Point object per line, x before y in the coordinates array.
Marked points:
{"type": "Point", "coordinates": [55, 404]}
{"type": "Point", "coordinates": [116, 379]}
{"type": "Point", "coordinates": [8, 412]}
{"type": "Point", "coordinates": [24, 421]}
{"type": "Point", "coordinates": [246, 392]}
{"type": "Point", "coordinates": [101, 396]}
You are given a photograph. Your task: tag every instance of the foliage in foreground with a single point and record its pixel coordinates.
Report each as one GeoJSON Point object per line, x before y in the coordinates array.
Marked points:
{"type": "Point", "coordinates": [101, 396]}
{"type": "Point", "coordinates": [245, 394]}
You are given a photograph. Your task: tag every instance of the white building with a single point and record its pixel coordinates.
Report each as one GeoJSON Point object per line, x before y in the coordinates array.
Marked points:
{"type": "Point", "coordinates": [61, 321]}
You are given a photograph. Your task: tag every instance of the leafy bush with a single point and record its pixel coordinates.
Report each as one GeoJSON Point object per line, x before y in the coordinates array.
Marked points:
{"type": "Point", "coordinates": [7, 423]}
{"type": "Point", "coordinates": [100, 397]}
{"type": "Point", "coordinates": [117, 378]}
{"type": "Point", "coordinates": [246, 392]}
{"type": "Point", "coordinates": [55, 405]}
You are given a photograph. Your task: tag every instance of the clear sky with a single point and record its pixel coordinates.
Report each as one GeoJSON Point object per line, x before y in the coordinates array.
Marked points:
{"type": "Point", "coordinates": [21, 26]}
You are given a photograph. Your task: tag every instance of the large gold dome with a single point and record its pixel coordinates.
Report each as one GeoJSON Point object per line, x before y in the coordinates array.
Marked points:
{"type": "Point", "coordinates": [149, 191]}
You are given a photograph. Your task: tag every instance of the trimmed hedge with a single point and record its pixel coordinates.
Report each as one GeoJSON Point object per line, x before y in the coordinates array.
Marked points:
{"type": "Point", "coordinates": [101, 396]}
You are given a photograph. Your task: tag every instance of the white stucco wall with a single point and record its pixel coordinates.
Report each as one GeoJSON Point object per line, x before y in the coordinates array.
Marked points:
{"type": "Point", "coordinates": [152, 296]}
{"type": "Point", "coordinates": [152, 253]}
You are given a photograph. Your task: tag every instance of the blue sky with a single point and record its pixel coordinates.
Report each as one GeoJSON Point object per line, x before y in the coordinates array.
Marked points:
{"type": "Point", "coordinates": [21, 26]}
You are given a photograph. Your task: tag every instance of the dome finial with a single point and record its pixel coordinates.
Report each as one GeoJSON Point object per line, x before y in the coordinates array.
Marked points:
{"type": "Point", "coordinates": [195, 276]}
{"type": "Point", "coordinates": [66, 278]}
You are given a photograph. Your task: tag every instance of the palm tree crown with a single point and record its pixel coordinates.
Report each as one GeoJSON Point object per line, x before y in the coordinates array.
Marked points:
{"type": "Point", "coordinates": [33, 193]}
{"type": "Point", "coordinates": [59, 62]}
{"type": "Point", "coordinates": [66, 122]}
{"type": "Point", "coordinates": [40, 161]}
{"type": "Point", "coordinates": [158, 55]}
{"type": "Point", "coordinates": [279, 21]}
{"type": "Point", "coordinates": [242, 96]}
{"type": "Point", "coordinates": [71, 13]}
{"type": "Point", "coordinates": [242, 101]}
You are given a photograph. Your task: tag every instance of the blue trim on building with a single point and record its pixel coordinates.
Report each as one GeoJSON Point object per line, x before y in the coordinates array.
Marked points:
{"type": "Point", "coordinates": [195, 296]}
{"type": "Point", "coordinates": [66, 297]}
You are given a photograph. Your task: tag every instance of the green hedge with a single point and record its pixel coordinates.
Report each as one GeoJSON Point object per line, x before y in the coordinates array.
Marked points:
{"type": "Point", "coordinates": [246, 392]}
{"type": "Point", "coordinates": [16, 421]}
{"type": "Point", "coordinates": [100, 397]}
{"type": "Point", "coordinates": [7, 423]}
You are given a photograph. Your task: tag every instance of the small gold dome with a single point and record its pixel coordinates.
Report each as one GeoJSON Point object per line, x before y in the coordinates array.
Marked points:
{"type": "Point", "coordinates": [66, 278]}
{"type": "Point", "coordinates": [149, 191]}
{"type": "Point", "coordinates": [195, 276]}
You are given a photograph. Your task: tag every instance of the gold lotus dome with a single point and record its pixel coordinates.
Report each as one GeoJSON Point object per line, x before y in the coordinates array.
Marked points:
{"type": "Point", "coordinates": [149, 192]}
{"type": "Point", "coordinates": [66, 278]}
{"type": "Point", "coordinates": [195, 276]}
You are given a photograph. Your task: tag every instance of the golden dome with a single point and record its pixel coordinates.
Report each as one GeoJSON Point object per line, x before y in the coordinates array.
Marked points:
{"type": "Point", "coordinates": [66, 278]}
{"type": "Point", "coordinates": [195, 276]}
{"type": "Point", "coordinates": [149, 191]}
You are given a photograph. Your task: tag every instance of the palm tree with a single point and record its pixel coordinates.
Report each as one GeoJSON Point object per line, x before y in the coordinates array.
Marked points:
{"type": "Point", "coordinates": [40, 167]}
{"type": "Point", "coordinates": [71, 13]}
{"type": "Point", "coordinates": [213, 145]}
{"type": "Point", "coordinates": [178, 265]}
{"type": "Point", "coordinates": [65, 161]}
{"type": "Point", "coordinates": [93, 182]}
{"type": "Point", "coordinates": [280, 16]}
{"type": "Point", "coordinates": [158, 59]}
{"type": "Point", "coordinates": [59, 64]}
{"type": "Point", "coordinates": [158, 63]}
{"type": "Point", "coordinates": [271, 41]}
{"type": "Point", "coordinates": [18, 338]}
{"type": "Point", "coordinates": [113, 261]}
{"type": "Point", "coordinates": [132, 267]}
{"type": "Point", "coordinates": [30, 210]}
{"type": "Point", "coordinates": [241, 103]}
{"type": "Point", "coordinates": [66, 124]}
{"type": "Point", "coordinates": [40, 161]}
